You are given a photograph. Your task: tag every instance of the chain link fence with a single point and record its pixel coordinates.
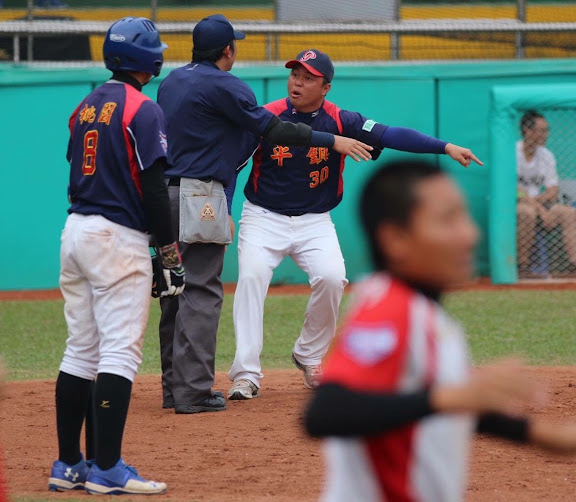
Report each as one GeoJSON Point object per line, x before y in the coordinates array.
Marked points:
{"type": "Point", "coordinates": [407, 30]}
{"type": "Point", "coordinates": [546, 203]}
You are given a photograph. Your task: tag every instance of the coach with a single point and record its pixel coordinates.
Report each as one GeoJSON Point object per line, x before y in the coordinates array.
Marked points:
{"type": "Point", "coordinates": [208, 112]}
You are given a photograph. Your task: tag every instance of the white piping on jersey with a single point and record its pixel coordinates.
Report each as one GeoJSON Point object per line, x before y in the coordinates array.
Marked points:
{"type": "Point", "coordinates": [136, 148]}
{"type": "Point", "coordinates": [241, 166]}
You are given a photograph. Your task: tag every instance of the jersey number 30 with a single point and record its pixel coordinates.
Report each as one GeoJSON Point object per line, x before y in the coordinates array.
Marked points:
{"type": "Point", "coordinates": [318, 177]}
{"type": "Point", "coordinates": [90, 146]}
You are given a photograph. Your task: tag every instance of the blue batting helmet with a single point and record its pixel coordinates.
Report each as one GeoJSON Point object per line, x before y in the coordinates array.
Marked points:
{"type": "Point", "coordinates": [133, 44]}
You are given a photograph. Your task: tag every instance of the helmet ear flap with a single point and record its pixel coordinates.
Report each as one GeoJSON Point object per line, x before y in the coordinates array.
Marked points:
{"type": "Point", "coordinates": [116, 61]}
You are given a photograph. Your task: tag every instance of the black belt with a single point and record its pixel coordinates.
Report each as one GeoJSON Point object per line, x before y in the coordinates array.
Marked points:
{"type": "Point", "coordinates": [175, 182]}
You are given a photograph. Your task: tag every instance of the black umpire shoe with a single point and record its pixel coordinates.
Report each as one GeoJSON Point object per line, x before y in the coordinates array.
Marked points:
{"type": "Point", "coordinates": [215, 402]}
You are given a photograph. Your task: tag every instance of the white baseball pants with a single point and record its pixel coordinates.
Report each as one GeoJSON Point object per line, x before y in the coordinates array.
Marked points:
{"type": "Point", "coordinates": [264, 240]}
{"type": "Point", "coordinates": [105, 277]}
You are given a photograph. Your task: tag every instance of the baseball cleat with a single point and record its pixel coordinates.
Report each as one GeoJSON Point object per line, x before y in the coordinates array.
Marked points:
{"type": "Point", "coordinates": [64, 477]}
{"type": "Point", "coordinates": [311, 373]}
{"type": "Point", "coordinates": [119, 480]}
{"type": "Point", "coordinates": [243, 389]}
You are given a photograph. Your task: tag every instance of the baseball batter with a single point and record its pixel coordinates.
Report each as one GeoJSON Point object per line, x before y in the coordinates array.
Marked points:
{"type": "Point", "coordinates": [117, 155]}
{"type": "Point", "coordinates": [398, 401]}
{"type": "Point", "coordinates": [290, 192]}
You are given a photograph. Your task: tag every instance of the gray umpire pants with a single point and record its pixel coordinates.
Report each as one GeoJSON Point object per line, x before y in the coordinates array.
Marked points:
{"type": "Point", "coordinates": [189, 322]}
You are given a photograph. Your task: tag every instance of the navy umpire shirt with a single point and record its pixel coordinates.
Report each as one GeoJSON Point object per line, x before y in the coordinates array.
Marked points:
{"type": "Point", "coordinates": [207, 113]}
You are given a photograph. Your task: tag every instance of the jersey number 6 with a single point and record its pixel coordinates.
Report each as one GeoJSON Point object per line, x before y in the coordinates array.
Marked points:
{"type": "Point", "coordinates": [318, 177]}
{"type": "Point", "coordinates": [90, 146]}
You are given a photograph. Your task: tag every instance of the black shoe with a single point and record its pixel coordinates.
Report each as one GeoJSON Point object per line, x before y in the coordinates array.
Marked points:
{"type": "Point", "coordinates": [216, 402]}
{"type": "Point", "coordinates": [168, 404]}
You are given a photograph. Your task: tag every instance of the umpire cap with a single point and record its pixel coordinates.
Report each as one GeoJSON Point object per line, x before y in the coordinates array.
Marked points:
{"type": "Point", "coordinates": [214, 32]}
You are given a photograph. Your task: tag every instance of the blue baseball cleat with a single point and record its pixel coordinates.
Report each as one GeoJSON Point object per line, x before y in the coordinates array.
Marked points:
{"type": "Point", "coordinates": [64, 477]}
{"type": "Point", "coordinates": [119, 480]}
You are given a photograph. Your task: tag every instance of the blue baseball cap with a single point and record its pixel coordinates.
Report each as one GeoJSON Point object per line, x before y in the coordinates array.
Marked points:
{"type": "Point", "coordinates": [315, 62]}
{"type": "Point", "coordinates": [214, 32]}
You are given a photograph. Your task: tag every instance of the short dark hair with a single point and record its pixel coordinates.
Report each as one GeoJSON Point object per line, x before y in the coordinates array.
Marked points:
{"type": "Point", "coordinates": [211, 55]}
{"type": "Point", "coordinates": [389, 197]}
{"type": "Point", "coordinates": [528, 120]}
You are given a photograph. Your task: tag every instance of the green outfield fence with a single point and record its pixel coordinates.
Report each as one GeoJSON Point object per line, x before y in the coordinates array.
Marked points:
{"type": "Point", "coordinates": [451, 101]}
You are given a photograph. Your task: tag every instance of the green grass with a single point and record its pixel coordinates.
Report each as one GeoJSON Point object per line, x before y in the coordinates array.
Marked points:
{"type": "Point", "coordinates": [538, 325]}
{"type": "Point", "coordinates": [33, 336]}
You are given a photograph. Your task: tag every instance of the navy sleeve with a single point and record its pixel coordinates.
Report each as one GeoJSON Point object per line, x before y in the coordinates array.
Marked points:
{"type": "Point", "coordinates": [148, 131]}
{"type": "Point", "coordinates": [237, 102]}
{"type": "Point", "coordinates": [249, 146]}
{"type": "Point", "coordinates": [410, 140]}
{"type": "Point", "coordinates": [250, 142]}
{"type": "Point", "coordinates": [379, 136]}
{"type": "Point", "coordinates": [229, 191]}
{"type": "Point", "coordinates": [355, 125]}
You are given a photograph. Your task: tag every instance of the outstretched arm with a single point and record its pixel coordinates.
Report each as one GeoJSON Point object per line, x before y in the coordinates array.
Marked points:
{"type": "Point", "coordinates": [410, 140]}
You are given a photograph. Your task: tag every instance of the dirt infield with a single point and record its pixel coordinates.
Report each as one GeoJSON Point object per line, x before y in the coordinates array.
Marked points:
{"type": "Point", "coordinates": [256, 451]}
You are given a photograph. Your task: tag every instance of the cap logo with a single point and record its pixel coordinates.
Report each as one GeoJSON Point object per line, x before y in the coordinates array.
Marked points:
{"type": "Point", "coordinates": [117, 38]}
{"type": "Point", "coordinates": [308, 55]}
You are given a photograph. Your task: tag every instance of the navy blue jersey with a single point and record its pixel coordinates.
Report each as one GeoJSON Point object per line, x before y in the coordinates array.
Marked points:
{"type": "Point", "coordinates": [207, 112]}
{"type": "Point", "coordinates": [299, 180]}
{"type": "Point", "coordinates": [115, 133]}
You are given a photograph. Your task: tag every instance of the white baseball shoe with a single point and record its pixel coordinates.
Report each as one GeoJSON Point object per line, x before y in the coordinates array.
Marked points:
{"type": "Point", "coordinates": [311, 373]}
{"type": "Point", "coordinates": [243, 389]}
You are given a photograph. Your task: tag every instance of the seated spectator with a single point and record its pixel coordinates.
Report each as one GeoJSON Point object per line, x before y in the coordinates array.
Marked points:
{"type": "Point", "coordinates": [538, 194]}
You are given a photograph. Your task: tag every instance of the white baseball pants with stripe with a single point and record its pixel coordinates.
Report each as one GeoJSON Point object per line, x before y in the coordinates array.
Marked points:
{"type": "Point", "coordinates": [264, 240]}
{"type": "Point", "coordinates": [105, 278]}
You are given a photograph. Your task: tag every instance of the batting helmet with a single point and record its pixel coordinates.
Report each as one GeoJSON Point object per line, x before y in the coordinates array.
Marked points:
{"type": "Point", "coordinates": [133, 44]}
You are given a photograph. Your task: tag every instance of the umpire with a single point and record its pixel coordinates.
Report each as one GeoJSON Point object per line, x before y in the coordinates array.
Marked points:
{"type": "Point", "coordinates": [208, 111]}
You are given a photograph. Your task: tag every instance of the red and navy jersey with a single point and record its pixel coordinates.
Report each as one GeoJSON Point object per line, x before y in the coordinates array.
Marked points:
{"type": "Point", "coordinates": [396, 340]}
{"type": "Point", "coordinates": [297, 180]}
{"type": "Point", "coordinates": [115, 133]}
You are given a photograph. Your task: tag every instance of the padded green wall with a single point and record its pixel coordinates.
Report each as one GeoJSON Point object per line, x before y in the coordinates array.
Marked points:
{"type": "Point", "coordinates": [450, 101]}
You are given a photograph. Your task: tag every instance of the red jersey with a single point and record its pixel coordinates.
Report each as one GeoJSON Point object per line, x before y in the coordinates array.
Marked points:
{"type": "Point", "coordinates": [396, 340]}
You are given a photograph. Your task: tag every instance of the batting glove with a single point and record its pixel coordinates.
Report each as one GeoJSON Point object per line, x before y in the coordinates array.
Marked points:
{"type": "Point", "coordinates": [172, 278]}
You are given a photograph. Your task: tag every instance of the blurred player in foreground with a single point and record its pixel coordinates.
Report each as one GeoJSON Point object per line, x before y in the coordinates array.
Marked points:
{"type": "Point", "coordinates": [290, 193]}
{"type": "Point", "coordinates": [117, 155]}
{"type": "Point", "coordinates": [398, 401]}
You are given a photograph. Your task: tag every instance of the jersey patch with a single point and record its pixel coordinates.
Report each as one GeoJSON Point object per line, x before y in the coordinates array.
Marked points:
{"type": "Point", "coordinates": [368, 125]}
{"type": "Point", "coordinates": [370, 345]}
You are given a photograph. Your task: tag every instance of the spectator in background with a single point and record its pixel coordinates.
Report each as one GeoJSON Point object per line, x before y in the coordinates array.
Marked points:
{"type": "Point", "coordinates": [538, 193]}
